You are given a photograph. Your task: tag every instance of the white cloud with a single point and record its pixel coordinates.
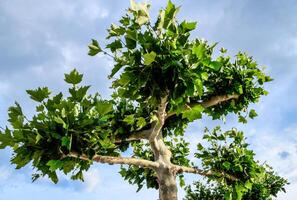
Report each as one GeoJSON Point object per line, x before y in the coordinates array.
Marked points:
{"type": "Point", "coordinates": [92, 180]}
{"type": "Point", "coordinates": [5, 173]}
{"type": "Point", "coordinates": [93, 11]}
{"type": "Point", "coordinates": [45, 40]}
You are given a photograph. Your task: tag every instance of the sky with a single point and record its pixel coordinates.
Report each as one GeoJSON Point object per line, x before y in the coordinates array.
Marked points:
{"type": "Point", "coordinates": [42, 40]}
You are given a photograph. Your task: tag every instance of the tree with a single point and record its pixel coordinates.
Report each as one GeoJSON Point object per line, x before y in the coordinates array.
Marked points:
{"type": "Point", "coordinates": [162, 81]}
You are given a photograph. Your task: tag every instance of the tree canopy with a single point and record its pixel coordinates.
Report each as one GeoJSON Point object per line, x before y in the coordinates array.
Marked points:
{"type": "Point", "coordinates": [162, 80]}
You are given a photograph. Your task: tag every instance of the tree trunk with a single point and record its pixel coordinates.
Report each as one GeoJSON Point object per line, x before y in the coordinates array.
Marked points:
{"type": "Point", "coordinates": [167, 184]}
{"type": "Point", "coordinates": [166, 176]}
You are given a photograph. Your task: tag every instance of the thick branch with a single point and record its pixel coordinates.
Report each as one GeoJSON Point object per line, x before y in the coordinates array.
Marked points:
{"type": "Point", "coordinates": [216, 100]}
{"type": "Point", "coordinates": [144, 134]}
{"type": "Point", "coordinates": [156, 139]}
{"type": "Point", "coordinates": [210, 102]}
{"type": "Point", "coordinates": [193, 170]}
{"type": "Point", "coordinates": [116, 160]}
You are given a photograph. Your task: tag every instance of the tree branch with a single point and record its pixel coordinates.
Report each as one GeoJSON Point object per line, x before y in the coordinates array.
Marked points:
{"type": "Point", "coordinates": [193, 170]}
{"type": "Point", "coordinates": [161, 153]}
{"type": "Point", "coordinates": [116, 160]}
{"type": "Point", "coordinates": [144, 134]}
{"type": "Point", "coordinates": [161, 115]}
{"type": "Point", "coordinates": [215, 100]}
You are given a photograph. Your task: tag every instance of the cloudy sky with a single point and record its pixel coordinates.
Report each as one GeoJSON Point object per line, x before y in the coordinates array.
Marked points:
{"type": "Point", "coordinates": [42, 40]}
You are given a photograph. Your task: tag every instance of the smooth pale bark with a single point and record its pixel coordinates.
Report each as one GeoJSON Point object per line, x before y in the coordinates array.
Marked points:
{"type": "Point", "coordinates": [166, 176]}
{"type": "Point", "coordinates": [167, 184]}
{"type": "Point", "coordinates": [116, 160]}
{"type": "Point", "coordinates": [215, 100]}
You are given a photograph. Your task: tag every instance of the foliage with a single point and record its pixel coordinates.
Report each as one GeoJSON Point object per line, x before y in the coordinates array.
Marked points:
{"type": "Point", "coordinates": [228, 153]}
{"type": "Point", "coordinates": [81, 123]}
{"type": "Point", "coordinates": [200, 191]}
{"type": "Point", "coordinates": [152, 61]}
{"type": "Point", "coordinates": [264, 188]}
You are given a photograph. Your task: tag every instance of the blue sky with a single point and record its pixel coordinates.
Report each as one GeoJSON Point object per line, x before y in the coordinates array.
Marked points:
{"type": "Point", "coordinates": [42, 40]}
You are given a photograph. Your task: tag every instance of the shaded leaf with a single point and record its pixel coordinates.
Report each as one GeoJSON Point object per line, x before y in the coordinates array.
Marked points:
{"type": "Point", "coordinates": [193, 113]}
{"type": "Point", "coordinates": [129, 119]}
{"type": "Point", "coordinates": [94, 48]}
{"type": "Point", "coordinates": [104, 107]}
{"type": "Point", "coordinates": [73, 77]}
{"type": "Point", "coordinates": [149, 58]}
{"type": "Point", "coordinates": [39, 94]}
{"type": "Point", "coordinates": [252, 114]}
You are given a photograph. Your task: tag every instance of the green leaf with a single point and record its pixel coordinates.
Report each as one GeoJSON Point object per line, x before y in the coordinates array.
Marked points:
{"type": "Point", "coordinates": [133, 5]}
{"type": "Point", "coordinates": [38, 137]}
{"type": "Point", "coordinates": [141, 122]}
{"type": "Point", "coordinates": [15, 116]}
{"type": "Point", "coordinates": [142, 20]}
{"type": "Point", "coordinates": [21, 159]}
{"type": "Point", "coordinates": [129, 119]}
{"type": "Point", "coordinates": [199, 50]}
{"type": "Point", "coordinates": [94, 48]}
{"type": "Point", "coordinates": [115, 69]}
{"type": "Point", "coordinates": [6, 140]}
{"type": "Point", "coordinates": [154, 118]}
{"type": "Point", "coordinates": [248, 185]}
{"type": "Point", "coordinates": [242, 119]}
{"type": "Point", "coordinates": [115, 45]}
{"type": "Point", "coordinates": [78, 176]}
{"type": "Point", "coordinates": [239, 191]}
{"type": "Point", "coordinates": [200, 147]}
{"type": "Point", "coordinates": [59, 120]}
{"type": "Point", "coordinates": [130, 43]}
{"type": "Point", "coordinates": [54, 165]}
{"type": "Point", "coordinates": [239, 89]}
{"type": "Point", "coordinates": [188, 26]}
{"type": "Point", "coordinates": [73, 77]}
{"type": "Point", "coordinates": [227, 165]}
{"type": "Point", "coordinates": [68, 166]}
{"type": "Point", "coordinates": [215, 65]}
{"type": "Point", "coordinates": [182, 181]}
{"type": "Point", "coordinates": [223, 50]}
{"type": "Point", "coordinates": [170, 13]}
{"type": "Point", "coordinates": [131, 34]}
{"type": "Point", "coordinates": [53, 176]}
{"type": "Point", "coordinates": [106, 144]}
{"type": "Point", "coordinates": [115, 31]}
{"type": "Point", "coordinates": [124, 79]}
{"type": "Point", "coordinates": [160, 22]}
{"type": "Point", "coordinates": [204, 76]}
{"type": "Point", "coordinates": [252, 114]}
{"type": "Point", "coordinates": [228, 196]}
{"type": "Point", "coordinates": [78, 94]}
{"type": "Point", "coordinates": [67, 141]}
{"type": "Point", "coordinates": [193, 113]}
{"type": "Point", "coordinates": [141, 11]}
{"type": "Point", "coordinates": [104, 107]}
{"type": "Point", "coordinates": [198, 87]}
{"type": "Point", "coordinates": [39, 94]}
{"type": "Point", "coordinates": [149, 58]}
{"type": "Point", "coordinates": [131, 38]}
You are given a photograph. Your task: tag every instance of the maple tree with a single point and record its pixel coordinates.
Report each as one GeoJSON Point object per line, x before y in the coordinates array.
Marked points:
{"type": "Point", "coordinates": [162, 81]}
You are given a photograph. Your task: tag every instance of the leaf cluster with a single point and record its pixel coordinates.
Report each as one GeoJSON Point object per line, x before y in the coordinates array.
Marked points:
{"type": "Point", "coordinates": [228, 153]}
{"type": "Point", "coordinates": [81, 123]}
{"type": "Point", "coordinates": [265, 188]}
